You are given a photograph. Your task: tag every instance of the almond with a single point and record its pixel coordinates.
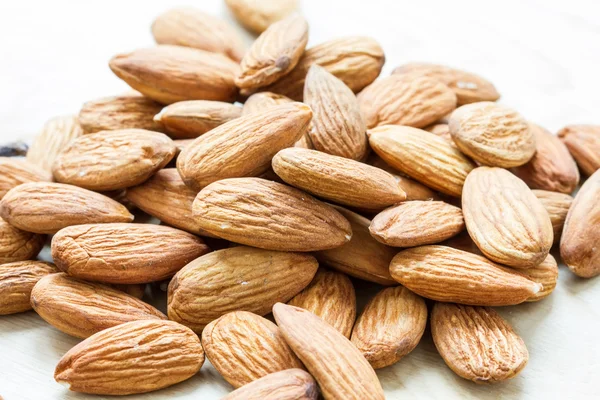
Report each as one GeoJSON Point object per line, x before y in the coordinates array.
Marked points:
{"type": "Point", "coordinates": [505, 219]}
{"type": "Point", "coordinates": [445, 274]}
{"type": "Point", "coordinates": [56, 134]}
{"type": "Point", "coordinates": [169, 74]}
{"type": "Point", "coordinates": [423, 156]}
{"type": "Point", "coordinates": [80, 308]}
{"type": "Point", "coordinates": [135, 357]}
{"type": "Point", "coordinates": [390, 326]}
{"type": "Point", "coordinates": [244, 146]}
{"type": "Point", "coordinates": [477, 343]}
{"type": "Point", "coordinates": [545, 273]}
{"type": "Point", "coordinates": [110, 253]}
{"type": "Point", "coordinates": [236, 279]}
{"type": "Point", "coordinates": [18, 245]}
{"type": "Point", "coordinates": [258, 15]}
{"type": "Point", "coordinates": [583, 142]}
{"type": "Point", "coordinates": [557, 206]}
{"type": "Point", "coordinates": [336, 364]}
{"type": "Point", "coordinates": [244, 347]}
{"type": "Point", "coordinates": [288, 384]}
{"type": "Point", "coordinates": [441, 130]}
{"type": "Point", "coordinates": [413, 189]}
{"type": "Point", "coordinates": [17, 279]}
{"type": "Point", "coordinates": [261, 101]}
{"type": "Point", "coordinates": [492, 134]}
{"type": "Point", "coordinates": [45, 207]}
{"type": "Point", "coordinates": [269, 215]}
{"type": "Point", "coordinates": [112, 160]}
{"type": "Point", "coordinates": [14, 171]}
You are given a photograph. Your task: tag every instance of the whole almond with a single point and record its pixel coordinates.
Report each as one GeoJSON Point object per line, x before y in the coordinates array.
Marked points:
{"type": "Point", "coordinates": [135, 357]}
{"type": "Point", "coordinates": [336, 364]}
{"type": "Point", "coordinates": [169, 74]}
{"type": "Point", "coordinates": [390, 326]}
{"type": "Point", "coordinates": [258, 15]}
{"type": "Point", "coordinates": [80, 308]}
{"type": "Point", "coordinates": [190, 119]}
{"type": "Point", "coordinates": [112, 160]}
{"type": "Point", "coordinates": [190, 27]}
{"type": "Point", "coordinates": [477, 343]}
{"type": "Point", "coordinates": [263, 100]}
{"type": "Point", "coordinates": [557, 206]}
{"type": "Point", "coordinates": [244, 347]}
{"type": "Point", "coordinates": [17, 279]}
{"type": "Point", "coordinates": [545, 273]}
{"type": "Point", "coordinates": [579, 242]}
{"type": "Point", "coordinates": [583, 142]}
{"type": "Point", "coordinates": [46, 207]}
{"type": "Point", "coordinates": [336, 178]}
{"type": "Point", "coordinates": [126, 111]}
{"type": "Point", "coordinates": [551, 167]}
{"type": "Point", "coordinates": [269, 215]}
{"type": "Point", "coordinates": [405, 100]}
{"type": "Point", "coordinates": [244, 146]}
{"type": "Point", "coordinates": [331, 297]}
{"type": "Point", "coordinates": [14, 171]}
{"type": "Point", "coordinates": [288, 384]}
{"type": "Point", "coordinates": [112, 253]}
{"type": "Point", "coordinates": [413, 189]}
{"type": "Point", "coordinates": [56, 134]}
{"type": "Point", "coordinates": [236, 279]}
{"type": "Point", "coordinates": [446, 274]}
{"type": "Point", "coordinates": [18, 245]}
{"type": "Point", "coordinates": [423, 156]}
{"type": "Point", "coordinates": [492, 134]}
{"type": "Point", "coordinates": [505, 219]}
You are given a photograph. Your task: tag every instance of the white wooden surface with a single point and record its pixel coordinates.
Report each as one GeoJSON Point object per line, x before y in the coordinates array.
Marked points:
{"type": "Point", "coordinates": [543, 56]}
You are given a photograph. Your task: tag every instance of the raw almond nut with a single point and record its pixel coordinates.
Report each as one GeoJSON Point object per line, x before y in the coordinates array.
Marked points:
{"type": "Point", "coordinates": [336, 178]}
{"type": "Point", "coordinates": [80, 308]}
{"type": "Point", "coordinates": [337, 127]}
{"type": "Point", "coordinates": [258, 15]}
{"type": "Point", "coordinates": [112, 253]}
{"type": "Point", "coordinates": [244, 146]}
{"type": "Point", "coordinates": [112, 160]}
{"type": "Point", "coordinates": [244, 347]}
{"type": "Point", "coordinates": [551, 167]}
{"type": "Point", "coordinates": [583, 142]}
{"type": "Point", "coordinates": [492, 134]}
{"type": "Point", "coordinates": [169, 74]}
{"type": "Point", "coordinates": [415, 223]}
{"type": "Point", "coordinates": [580, 237]}
{"type": "Point", "coordinates": [423, 156]}
{"type": "Point", "coordinates": [336, 364]}
{"type": "Point", "coordinates": [14, 171]}
{"type": "Point", "coordinates": [446, 274]}
{"type": "Point", "coordinates": [56, 134]}
{"type": "Point", "coordinates": [390, 326]}
{"type": "Point", "coordinates": [505, 219]}
{"type": "Point", "coordinates": [288, 384]}
{"type": "Point", "coordinates": [135, 357]}
{"type": "Point", "coordinates": [405, 100]}
{"type": "Point", "coordinates": [262, 101]}
{"type": "Point", "coordinates": [269, 215]}
{"type": "Point", "coordinates": [127, 111]}
{"type": "Point", "coordinates": [190, 27]}
{"type": "Point", "coordinates": [362, 257]}
{"type": "Point", "coordinates": [468, 87]}
{"type": "Point", "coordinates": [331, 297]}
{"type": "Point", "coordinates": [17, 279]}
{"type": "Point", "coordinates": [557, 205]}
{"type": "Point", "coordinates": [477, 343]}
{"type": "Point", "coordinates": [236, 279]}
{"type": "Point", "coordinates": [46, 207]}
{"type": "Point", "coordinates": [18, 245]}
{"type": "Point", "coordinates": [413, 189]}
{"type": "Point", "coordinates": [190, 119]}
{"type": "Point", "coordinates": [545, 273]}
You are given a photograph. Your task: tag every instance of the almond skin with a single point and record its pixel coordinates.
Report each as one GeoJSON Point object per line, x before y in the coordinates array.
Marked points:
{"type": "Point", "coordinates": [113, 160]}
{"type": "Point", "coordinates": [263, 100]}
{"type": "Point", "coordinates": [579, 242]}
{"type": "Point", "coordinates": [55, 135]}
{"type": "Point", "coordinates": [336, 178]}
{"type": "Point", "coordinates": [135, 357]}
{"type": "Point", "coordinates": [492, 134]}
{"type": "Point", "coordinates": [390, 326]}
{"type": "Point", "coordinates": [336, 364]}
{"type": "Point", "coordinates": [415, 223]}
{"type": "Point", "coordinates": [80, 308]}
{"type": "Point", "coordinates": [477, 343]}
{"type": "Point", "coordinates": [331, 297]}
{"type": "Point", "coordinates": [545, 273]}
{"type": "Point", "coordinates": [14, 172]}
{"type": "Point", "coordinates": [244, 347]}
{"type": "Point", "coordinates": [557, 206]}
{"type": "Point", "coordinates": [288, 384]}
{"type": "Point", "coordinates": [17, 279]}
{"type": "Point", "coordinates": [269, 215]}
{"type": "Point", "coordinates": [45, 207]}
{"type": "Point", "coordinates": [244, 146]}
{"type": "Point", "coordinates": [169, 74]}
{"type": "Point", "coordinates": [445, 274]}
{"type": "Point", "coordinates": [110, 253]}
{"type": "Point", "coordinates": [18, 245]}
{"type": "Point", "coordinates": [583, 142]}
{"type": "Point", "coordinates": [258, 15]}
{"type": "Point", "coordinates": [505, 219]}
{"type": "Point", "coordinates": [236, 279]}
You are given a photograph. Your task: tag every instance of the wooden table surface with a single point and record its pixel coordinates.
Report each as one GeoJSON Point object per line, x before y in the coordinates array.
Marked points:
{"type": "Point", "coordinates": [543, 56]}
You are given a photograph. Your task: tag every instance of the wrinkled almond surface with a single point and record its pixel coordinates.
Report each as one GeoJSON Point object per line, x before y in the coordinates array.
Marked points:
{"type": "Point", "coordinates": [258, 15]}
{"type": "Point", "coordinates": [545, 273]}
{"type": "Point", "coordinates": [55, 135]}
{"type": "Point", "coordinates": [14, 171]}
{"type": "Point", "coordinates": [18, 245]}
{"type": "Point", "coordinates": [557, 206]}
{"type": "Point", "coordinates": [583, 142]}
{"type": "Point", "coordinates": [17, 279]}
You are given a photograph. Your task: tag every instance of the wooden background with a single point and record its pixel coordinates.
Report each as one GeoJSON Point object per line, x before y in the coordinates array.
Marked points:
{"type": "Point", "coordinates": [543, 56]}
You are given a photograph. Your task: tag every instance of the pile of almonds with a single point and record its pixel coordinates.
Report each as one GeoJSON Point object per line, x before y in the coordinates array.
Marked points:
{"type": "Point", "coordinates": [273, 205]}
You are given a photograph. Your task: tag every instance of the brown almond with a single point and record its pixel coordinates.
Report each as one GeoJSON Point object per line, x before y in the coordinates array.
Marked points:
{"type": "Point", "coordinates": [18, 245]}
{"type": "Point", "coordinates": [557, 206]}
{"type": "Point", "coordinates": [17, 279]}
{"type": "Point", "coordinates": [14, 171]}
{"type": "Point", "coordinates": [56, 134]}
{"type": "Point", "coordinates": [545, 273]}
{"type": "Point", "coordinates": [583, 142]}
{"type": "Point", "coordinates": [259, 15]}
{"type": "Point", "coordinates": [288, 384]}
